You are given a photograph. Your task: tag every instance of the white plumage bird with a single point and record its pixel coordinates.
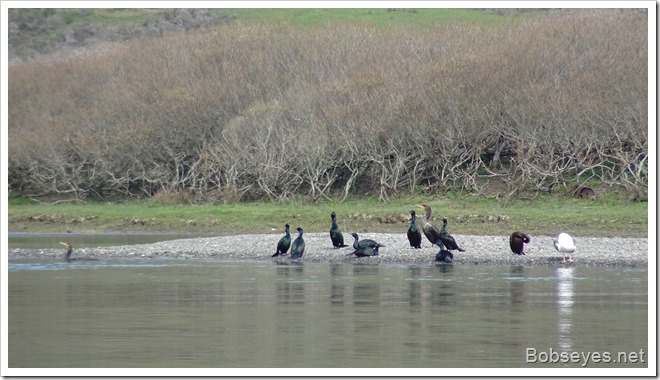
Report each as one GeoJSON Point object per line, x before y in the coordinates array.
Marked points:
{"type": "Point", "coordinates": [565, 244]}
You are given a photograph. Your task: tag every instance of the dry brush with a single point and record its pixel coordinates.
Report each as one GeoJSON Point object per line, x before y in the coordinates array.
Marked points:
{"type": "Point", "coordinates": [238, 112]}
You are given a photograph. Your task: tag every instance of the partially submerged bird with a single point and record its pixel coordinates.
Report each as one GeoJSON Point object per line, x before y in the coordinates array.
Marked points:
{"type": "Point", "coordinates": [444, 256]}
{"type": "Point", "coordinates": [517, 242]}
{"type": "Point", "coordinates": [335, 233]}
{"type": "Point", "coordinates": [447, 239]}
{"type": "Point", "coordinates": [565, 244]}
{"type": "Point", "coordinates": [284, 243]}
{"type": "Point", "coordinates": [414, 235]}
{"type": "Point", "coordinates": [298, 245]}
{"type": "Point", "coordinates": [69, 249]}
{"type": "Point", "coordinates": [431, 232]}
{"type": "Point", "coordinates": [366, 247]}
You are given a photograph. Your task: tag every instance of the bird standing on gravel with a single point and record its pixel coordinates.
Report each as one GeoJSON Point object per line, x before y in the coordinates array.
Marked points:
{"type": "Point", "coordinates": [517, 242]}
{"type": "Point", "coordinates": [414, 235]}
{"type": "Point", "coordinates": [430, 230]}
{"type": "Point", "coordinates": [284, 243]}
{"type": "Point", "coordinates": [447, 239]}
{"type": "Point", "coordinates": [565, 244]}
{"type": "Point", "coordinates": [298, 245]}
{"type": "Point", "coordinates": [335, 233]}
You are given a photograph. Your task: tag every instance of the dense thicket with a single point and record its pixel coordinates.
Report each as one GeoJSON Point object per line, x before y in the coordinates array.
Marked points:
{"type": "Point", "coordinates": [252, 112]}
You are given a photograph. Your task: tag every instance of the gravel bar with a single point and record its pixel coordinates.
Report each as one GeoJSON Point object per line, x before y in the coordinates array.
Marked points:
{"type": "Point", "coordinates": [487, 250]}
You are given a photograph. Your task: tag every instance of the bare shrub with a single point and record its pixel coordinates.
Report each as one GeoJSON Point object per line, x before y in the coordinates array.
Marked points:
{"type": "Point", "coordinates": [241, 112]}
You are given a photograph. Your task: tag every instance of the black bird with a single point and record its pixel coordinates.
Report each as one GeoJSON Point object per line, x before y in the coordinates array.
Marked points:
{"type": "Point", "coordinates": [444, 256]}
{"type": "Point", "coordinates": [430, 230]}
{"type": "Point", "coordinates": [67, 255]}
{"type": "Point", "coordinates": [298, 246]}
{"type": "Point", "coordinates": [335, 234]}
{"type": "Point", "coordinates": [447, 239]}
{"type": "Point", "coordinates": [365, 252]}
{"type": "Point", "coordinates": [284, 243]}
{"type": "Point", "coordinates": [69, 249]}
{"type": "Point", "coordinates": [517, 242]}
{"type": "Point", "coordinates": [414, 236]}
{"type": "Point", "coordinates": [365, 246]}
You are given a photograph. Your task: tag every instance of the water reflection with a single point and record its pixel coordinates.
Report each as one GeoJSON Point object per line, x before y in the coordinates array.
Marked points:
{"type": "Point", "coordinates": [415, 287]}
{"type": "Point", "coordinates": [565, 301]}
{"type": "Point", "coordinates": [366, 290]}
{"type": "Point", "coordinates": [337, 271]}
{"type": "Point", "coordinates": [517, 288]}
{"type": "Point", "coordinates": [291, 284]}
{"type": "Point", "coordinates": [217, 314]}
{"type": "Point", "coordinates": [442, 292]}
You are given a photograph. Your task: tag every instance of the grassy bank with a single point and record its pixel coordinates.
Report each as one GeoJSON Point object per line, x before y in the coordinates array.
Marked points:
{"type": "Point", "coordinates": [606, 217]}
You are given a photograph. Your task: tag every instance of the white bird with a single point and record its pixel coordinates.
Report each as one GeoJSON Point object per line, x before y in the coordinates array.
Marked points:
{"type": "Point", "coordinates": [565, 244]}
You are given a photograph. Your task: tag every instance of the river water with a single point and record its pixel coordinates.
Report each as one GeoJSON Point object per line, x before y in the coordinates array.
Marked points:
{"type": "Point", "coordinates": [211, 313]}
{"type": "Point", "coordinates": [82, 240]}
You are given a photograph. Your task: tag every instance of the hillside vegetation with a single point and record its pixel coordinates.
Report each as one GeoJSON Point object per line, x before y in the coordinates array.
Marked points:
{"type": "Point", "coordinates": [251, 110]}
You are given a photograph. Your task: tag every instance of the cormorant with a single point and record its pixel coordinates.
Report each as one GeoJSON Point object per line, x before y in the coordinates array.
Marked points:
{"type": "Point", "coordinates": [69, 249]}
{"type": "Point", "coordinates": [414, 236]}
{"type": "Point", "coordinates": [430, 230]}
{"type": "Point", "coordinates": [518, 241]}
{"type": "Point", "coordinates": [444, 256]}
{"type": "Point", "coordinates": [298, 246]}
{"type": "Point", "coordinates": [565, 244]}
{"type": "Point", "coordinates": [364, 252]}
{"type": "Point", "coordinates": [284, 243]}
{"type": "Point", "coordinates": [365, 246]}
{"type": "Point", "coordinates": [335, 234]}
{"type": "Point", "coordinates": [447, 239]}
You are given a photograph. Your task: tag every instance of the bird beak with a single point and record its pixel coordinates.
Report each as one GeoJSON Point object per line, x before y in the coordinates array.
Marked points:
{"type": "Point", "coordinates": [64, 244]}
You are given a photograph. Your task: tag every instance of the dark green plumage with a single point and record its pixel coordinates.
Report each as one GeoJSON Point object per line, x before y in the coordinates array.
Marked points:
{"type": "Point", "coordinates": [335, 233]}
{"type": "Point", "coordinates": [284, 243]}
{"type": "Point", "coordinates": [298, 245]}
{"type": "Point", "coordinates": [447, 239]}
{"type": "Point", "coordinates": [365, 247]}
{"type": "Point", "coordinates": [414, 235]}
{"type": "Point", "coordinates": [430, 230]}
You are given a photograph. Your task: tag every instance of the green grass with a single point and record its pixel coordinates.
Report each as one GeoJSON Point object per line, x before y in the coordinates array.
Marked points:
{"type": "Point", "coordinates": [467, 215]}
{"type": "Point", "coordinates": [375, 16]}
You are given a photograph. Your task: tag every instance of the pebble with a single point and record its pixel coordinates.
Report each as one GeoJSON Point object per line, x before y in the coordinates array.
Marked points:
{"type": "Point", "coordinates": [481, 250]}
